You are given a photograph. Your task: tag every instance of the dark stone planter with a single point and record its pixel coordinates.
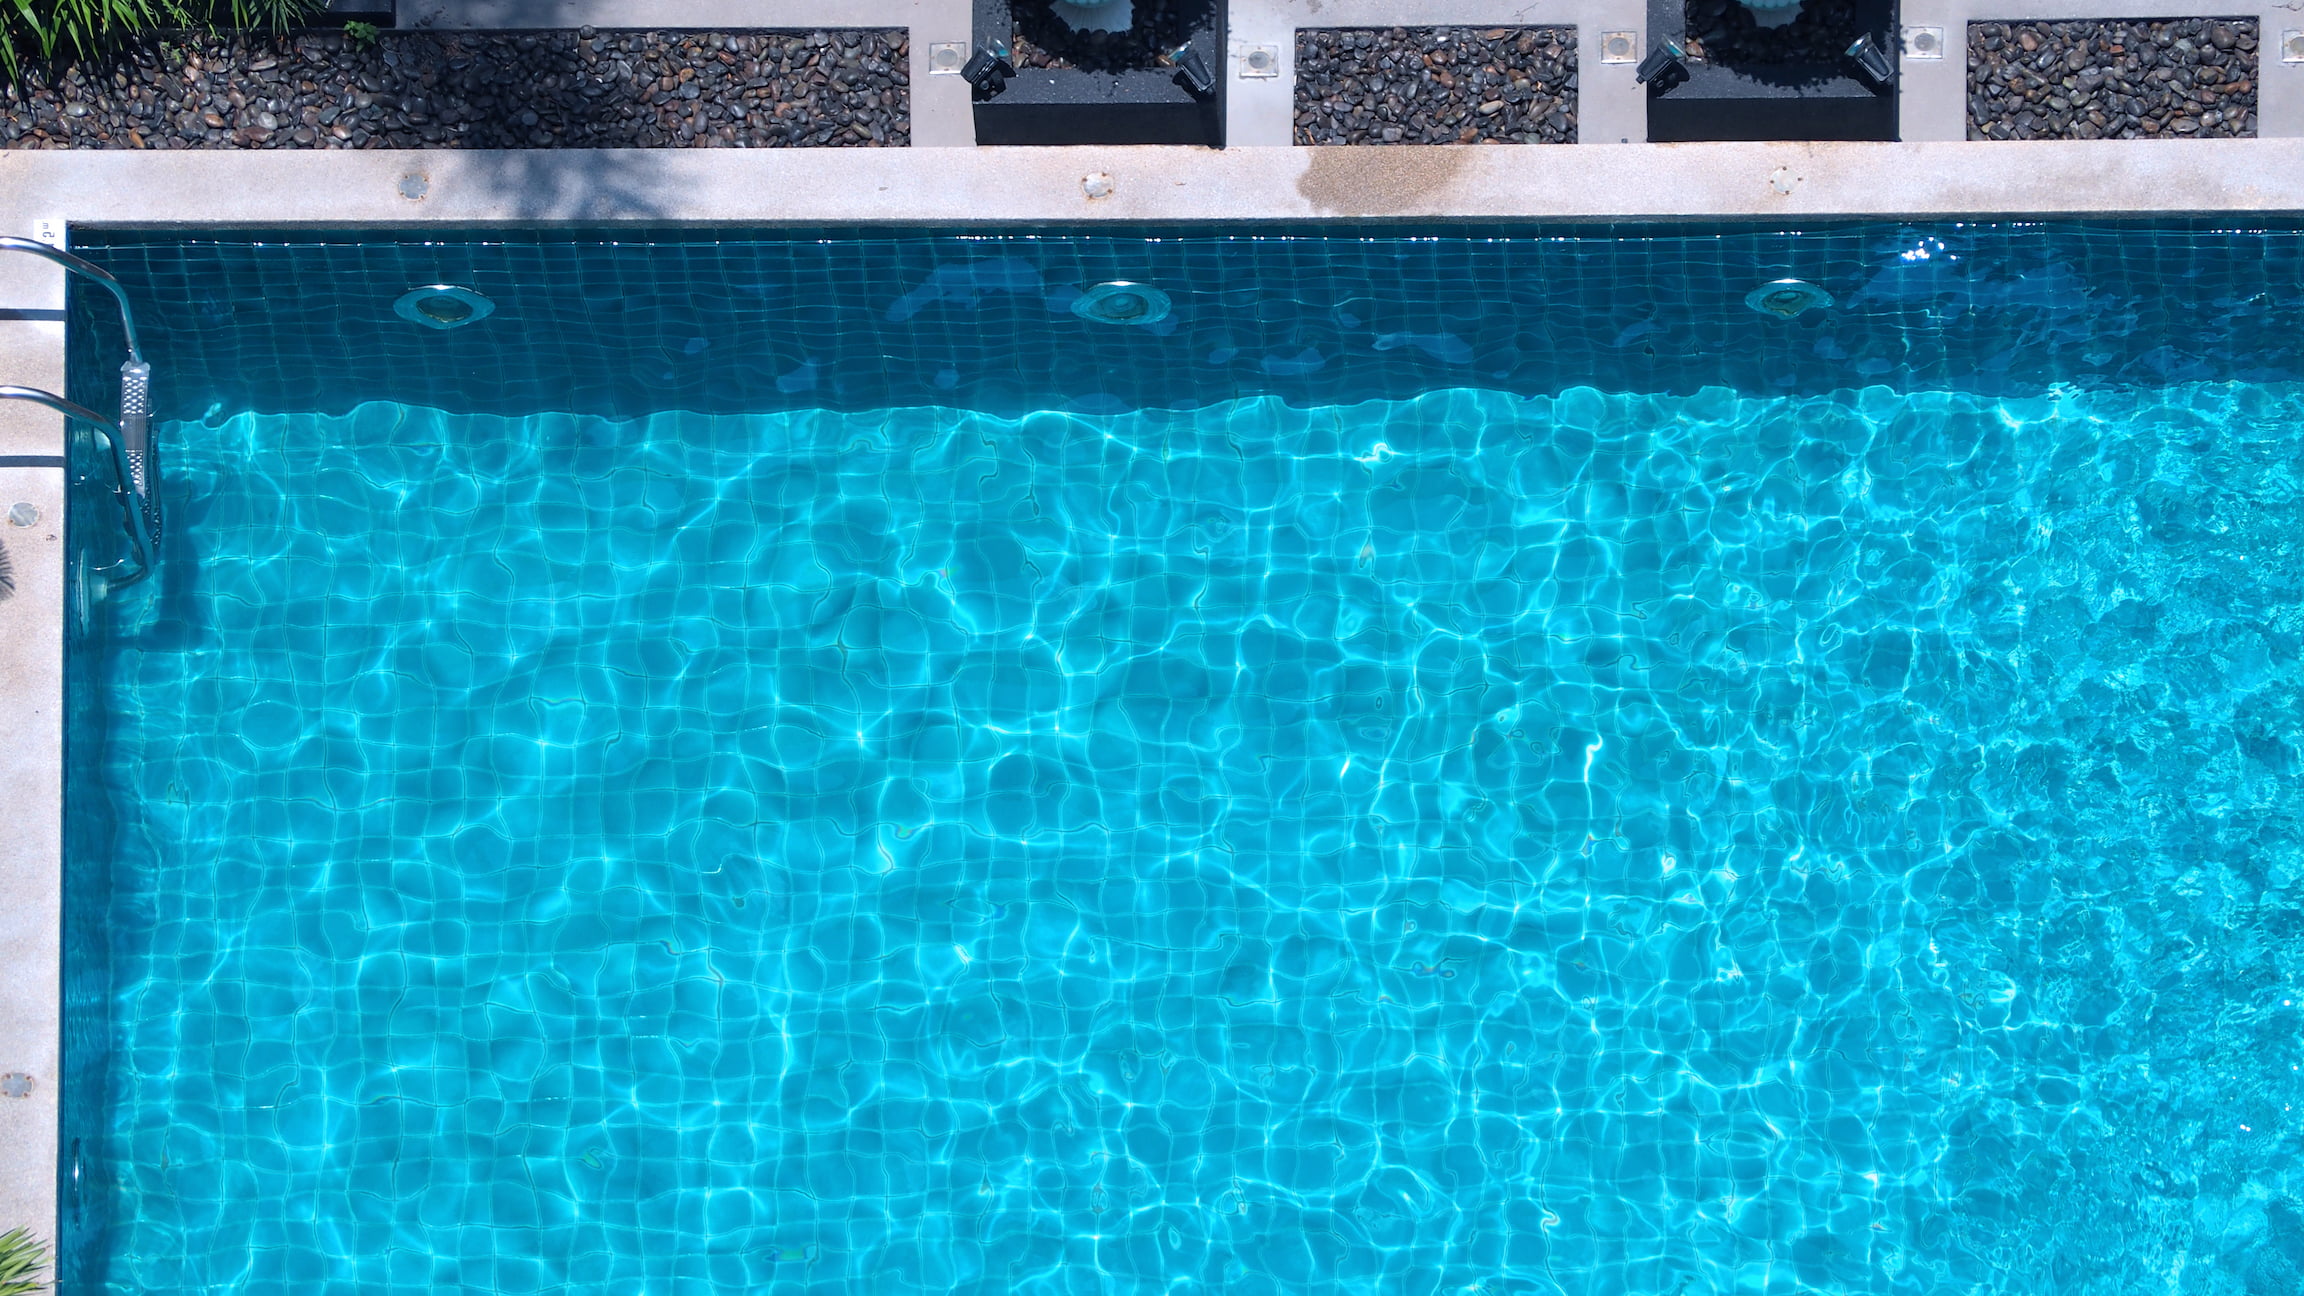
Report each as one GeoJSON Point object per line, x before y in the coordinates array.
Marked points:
{"type": "Point", "coordinates": [1772, 101]}
{"type": "Point", "coordinates": [496, 89]}
{"type": "Point", "coordinates": [375, 12]}
{"type": "Point", "coordinates": [1072, 105]}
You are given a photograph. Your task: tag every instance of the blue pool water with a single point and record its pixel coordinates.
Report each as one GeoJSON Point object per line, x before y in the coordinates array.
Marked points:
{"type": "Point", "coordinates": [1838, 842]}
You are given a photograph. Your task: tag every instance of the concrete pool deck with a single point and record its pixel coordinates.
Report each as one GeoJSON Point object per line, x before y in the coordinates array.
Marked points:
{"type": "Point", "coordinates": [1936, 174]}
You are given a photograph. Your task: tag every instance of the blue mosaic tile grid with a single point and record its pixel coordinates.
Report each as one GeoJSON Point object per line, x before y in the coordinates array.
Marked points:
{"type": "Point", "coordinates": [840, 320]}
{"type": "Point", "coordinates": [1627, 841]}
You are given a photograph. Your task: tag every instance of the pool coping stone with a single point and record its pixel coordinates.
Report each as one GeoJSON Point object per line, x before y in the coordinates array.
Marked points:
{"type": "Point", "coordinates": [32, 786]}
{"type": "Point", "coordinates": [759, 187]}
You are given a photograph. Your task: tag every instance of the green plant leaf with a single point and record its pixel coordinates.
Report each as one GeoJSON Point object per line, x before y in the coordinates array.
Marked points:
{"type": "Point", "coordinates": [86, 28]}
{"type": "Point", "coordinates": [22, 1257]}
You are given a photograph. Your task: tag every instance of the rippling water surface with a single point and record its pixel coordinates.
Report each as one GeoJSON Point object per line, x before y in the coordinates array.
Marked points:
{"type": "Point", "coordinates": [1600, 844]}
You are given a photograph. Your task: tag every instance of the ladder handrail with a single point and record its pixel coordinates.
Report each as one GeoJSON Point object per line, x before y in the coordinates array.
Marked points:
{"type": "Point", "coordinates": [131, 517]}
{"type": "Point", "coordinates": [82, 266]}
{"type": "Point", "coordinates": [131, 437]}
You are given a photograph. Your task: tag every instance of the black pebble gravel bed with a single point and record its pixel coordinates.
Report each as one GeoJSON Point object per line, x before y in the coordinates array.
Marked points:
{"type": "Point", "coordinates": [497, 90]}
{"type": "Point", "coordinates": [1436, 85]}
{"type": "Point", "coordinates": [2183, 78]}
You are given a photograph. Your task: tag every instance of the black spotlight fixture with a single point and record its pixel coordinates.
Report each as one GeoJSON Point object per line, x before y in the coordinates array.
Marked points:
{"type": "Point", "coordinates": [988, 71]}
{"type": "Point", "coordinates": [1192, 70]}
{"type": "Point", "coordinates": [1667, 64]}
{"type": "Point", "coordinates": [1872, 61]}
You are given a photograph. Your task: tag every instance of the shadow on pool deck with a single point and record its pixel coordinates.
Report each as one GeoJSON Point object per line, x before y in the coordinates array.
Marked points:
{"type": "Point", "coordinates": [574, 184]}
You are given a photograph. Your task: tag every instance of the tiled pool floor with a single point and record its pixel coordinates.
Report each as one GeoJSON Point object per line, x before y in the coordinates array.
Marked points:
{"type": "Point", "coordinates": [1472, 843]}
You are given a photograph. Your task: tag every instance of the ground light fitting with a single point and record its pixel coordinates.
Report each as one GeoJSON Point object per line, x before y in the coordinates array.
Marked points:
{"type": "Point", "coordinates": [1664, 61]}
{"type": "Point", "coordinates": [1872, 61]}
{"type": "Point", "coordinates": [1192, 71]}
{"type": "Point", "coordinates": [989, 70]}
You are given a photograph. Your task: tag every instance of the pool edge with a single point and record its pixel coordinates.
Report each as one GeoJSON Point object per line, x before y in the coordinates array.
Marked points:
{"type": "Point", "coordinates": [1632, 182]}
{"type": "Point", "coordinates": [31, 786]}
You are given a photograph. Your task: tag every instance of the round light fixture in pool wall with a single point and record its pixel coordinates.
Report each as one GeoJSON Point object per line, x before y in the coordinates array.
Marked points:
{"type": "Point", "coordinates": [1786, 298]}
{"type": "Point", "coordinates": [443, 306]}
{"type": "Point", "coordinates": [1122, 302]}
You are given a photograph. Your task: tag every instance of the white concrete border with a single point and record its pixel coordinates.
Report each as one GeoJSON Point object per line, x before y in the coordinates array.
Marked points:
{"type": "Point", "coordinates": [32, 757]}
{"type": "Point", "coordinates": [31, 847]}
{"type": "Point", "coordinates": [1768, 182]}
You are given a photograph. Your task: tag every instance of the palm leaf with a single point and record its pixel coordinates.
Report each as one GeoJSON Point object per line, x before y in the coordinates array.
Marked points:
{"type": "Point", "coordinates": [83, 28]}
{"type": "Point", "coordinates": [22, 1257]}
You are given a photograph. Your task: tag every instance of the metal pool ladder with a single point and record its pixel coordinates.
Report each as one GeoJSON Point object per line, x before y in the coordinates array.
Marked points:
{"type": "Point", "coordinates": [130, 439]}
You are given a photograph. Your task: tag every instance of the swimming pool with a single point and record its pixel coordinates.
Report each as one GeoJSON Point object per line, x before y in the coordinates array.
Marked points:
{"type": "Point", "coordinates": [1463, 761]}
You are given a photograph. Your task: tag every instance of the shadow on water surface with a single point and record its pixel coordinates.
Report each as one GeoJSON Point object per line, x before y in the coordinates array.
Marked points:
{"type": "Point", "coordinates": [728, 322]}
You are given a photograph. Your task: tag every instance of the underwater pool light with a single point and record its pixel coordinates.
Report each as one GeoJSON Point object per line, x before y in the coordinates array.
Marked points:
{"type": "Point", "coordinates": [443, 306]}
{"type": "Point", "coordinates": [1122, 302]}
{"type": "Point", "coordinates": [1787, 298]}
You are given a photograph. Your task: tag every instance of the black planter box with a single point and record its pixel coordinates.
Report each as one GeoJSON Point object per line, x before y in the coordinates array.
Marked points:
{"type": "Point", "coordinates": [1788, 101]}
{"type": "Point", "coordinates": [378, 12]}
{"type": "Point", "coordinates": [1073, 106]}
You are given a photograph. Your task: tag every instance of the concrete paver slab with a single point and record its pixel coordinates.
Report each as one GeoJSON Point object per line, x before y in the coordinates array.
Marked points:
{"type": "Point", "coordinates": [32, 788]}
